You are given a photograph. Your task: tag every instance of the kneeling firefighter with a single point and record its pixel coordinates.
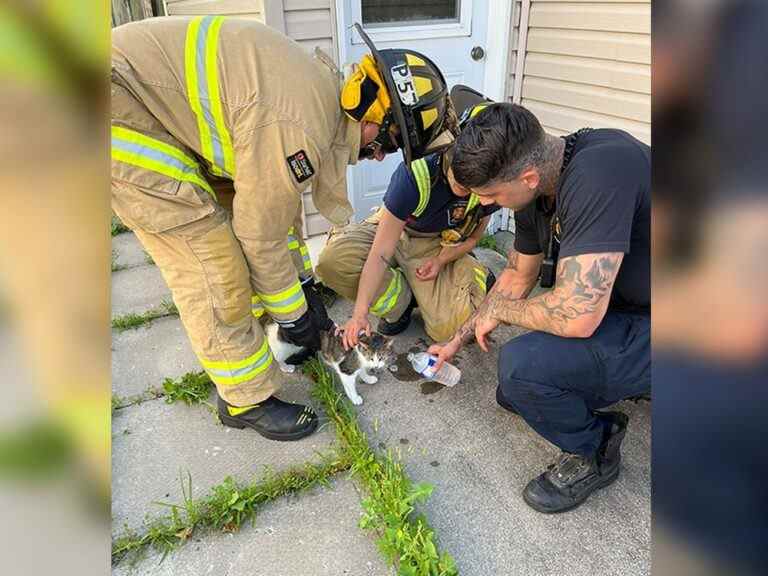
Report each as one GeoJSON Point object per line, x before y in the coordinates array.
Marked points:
{"type": "Point", "coordinates": [416, 250]}
{"type": "Point", "coordinates": [199, 100]}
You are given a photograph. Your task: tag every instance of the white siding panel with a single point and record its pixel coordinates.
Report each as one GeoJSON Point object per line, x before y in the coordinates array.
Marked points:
{"type": "Point", "coordinates": [571, 119]}
{"type": "Point", "coordinates": [315, 224]}
{"type": "Point", "coordinates": [618, 46]}
{"type": "Point", "coordinates": [290, 5]}
{"type": "Point", "coordinates": [308, 24]}
{"type": "Point", "coordinates": [589, 98]}
{"type": "Point", "coordinates": [610, 17]}
{"type": "Point", "coordinates": [606, 73]}
{"type": "Point", "coordinates": [249, 8]}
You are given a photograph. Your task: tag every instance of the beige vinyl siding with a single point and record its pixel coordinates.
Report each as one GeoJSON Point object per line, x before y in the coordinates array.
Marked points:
{"type": "Point", "coordinates": [589, 64]}
{"type": "Point", "coordinates": [237, 8]}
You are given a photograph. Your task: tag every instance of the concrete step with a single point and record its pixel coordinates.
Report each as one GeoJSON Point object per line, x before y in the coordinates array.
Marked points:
{"type": "Point", "coordinates": [137, 290]}
{"type": "Point", "coordinates": [314, 534]}
{"type": "Point", "coordinates": [148, 355]}
{"type": "Point", "coordinates": [154, 442]}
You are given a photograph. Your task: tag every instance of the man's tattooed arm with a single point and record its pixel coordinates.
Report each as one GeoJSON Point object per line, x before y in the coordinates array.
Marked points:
{"type": "Point", "coordinates": [516, 281]}
{"type": "Point", "coordinates": [576, 305]}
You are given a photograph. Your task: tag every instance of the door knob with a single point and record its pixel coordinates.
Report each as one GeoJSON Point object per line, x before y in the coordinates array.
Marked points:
{"type": "Point", "coordinates": [477, 53]}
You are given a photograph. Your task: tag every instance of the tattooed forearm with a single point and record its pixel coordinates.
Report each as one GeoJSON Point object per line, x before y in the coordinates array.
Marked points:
{"type": "Point", "coordinates": [580, 295]}
{"type": "Point", "coordinates": [512, 259]}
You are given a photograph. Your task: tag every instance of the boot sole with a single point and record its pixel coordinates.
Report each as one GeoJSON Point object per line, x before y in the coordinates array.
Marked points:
{"type": "Point", "coordinates": [606, 481]}
{"type": "Point", "coordinates": [280, 437]}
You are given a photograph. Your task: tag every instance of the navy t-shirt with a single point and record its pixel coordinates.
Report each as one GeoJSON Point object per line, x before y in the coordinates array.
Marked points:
{"type": "Point", "coordinates": [603, 205]}
{"type": "Point", "coordinates": [444, 210]}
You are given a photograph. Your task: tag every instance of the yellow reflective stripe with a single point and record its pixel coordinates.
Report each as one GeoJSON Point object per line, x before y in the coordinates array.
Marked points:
{"type": "Point", "coordinates": [473, 201]}
{"type": "Point", "coordinates": [284, 302]}
{"type": "Point", "coordinates": [203, 93]}
{"type": "Point", "coordinates": [230, 373]}
{"type": "Point", "coordinates": [304, 251]}
{"type": "Point", "coordinates": [257, 308]}
{"type": "Point", "coordinates": [145, 152]}
{"type": "Point", "coordinates": [387, 301]}
{"type": "Point", "coordinates": [421, 173]}
{"type": "Point", "coordinates": [235, 410]}
{"type": "Point", "coordinates": [481, 278]}
{"type": "Point", "coordinates": [193, 95]}
{"type": "Point", "coordinates": [212, 71]}
{"type": "Point", "coordinates": [293, 244]}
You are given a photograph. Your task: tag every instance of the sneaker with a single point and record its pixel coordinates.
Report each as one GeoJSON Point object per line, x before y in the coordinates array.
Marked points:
{"type": "Point", "coordinates": [399, 325]}
{"type": "Point", "coordinates": [568, 482]}
{"type": "Point", "coordinates": [272, 418]}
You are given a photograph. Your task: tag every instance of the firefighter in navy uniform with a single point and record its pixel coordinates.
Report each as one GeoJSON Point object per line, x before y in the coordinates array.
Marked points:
{"type": "Point", "coordinates": [414, 252]}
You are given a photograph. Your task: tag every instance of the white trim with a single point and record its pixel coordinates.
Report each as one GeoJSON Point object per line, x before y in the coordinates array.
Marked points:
{"type": "Point", "coordinates": [341, 36]}
{"type": "Point", "coordinates": [522, 47]}
{"type": "Point", "coordinates": [497, 48]}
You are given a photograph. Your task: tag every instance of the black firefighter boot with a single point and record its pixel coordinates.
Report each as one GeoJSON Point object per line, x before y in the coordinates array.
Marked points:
{"type": "Point", "coordinates": [399, 325]}
{"type": "Point", "coordinates": [568, 482]}
{"type": "Point", "coordinates": [272, 418]}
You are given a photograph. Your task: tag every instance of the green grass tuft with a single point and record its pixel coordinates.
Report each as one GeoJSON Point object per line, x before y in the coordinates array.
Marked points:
{"type": "Point", "coordinates": [117, 226]}
{"type": "Point", "coordinates": [132, 321]}
{"type": "Point", "coordinates": [226, 508]}
{"type": "Point", "coordinates": [405, 538]}
{"type": "Point", "coordinates": [488, 241]}
{"type": "Point", "coordinates": [191, 388]}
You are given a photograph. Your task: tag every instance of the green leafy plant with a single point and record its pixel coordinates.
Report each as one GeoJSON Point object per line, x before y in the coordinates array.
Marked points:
{"type": "Point", "coordinates": [117, 226]}
{"type": "Point", "coordinates": [132, 321]}
{"type": "Point", "coordinates": [405, 538]}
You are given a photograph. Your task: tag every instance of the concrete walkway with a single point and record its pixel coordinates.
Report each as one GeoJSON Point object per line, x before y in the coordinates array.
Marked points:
{"type": "Point", "coordinates": [478, 457]}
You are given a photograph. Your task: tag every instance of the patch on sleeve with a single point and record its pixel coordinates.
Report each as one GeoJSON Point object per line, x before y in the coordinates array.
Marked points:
{"type": "Point", "coordinates": [301, 166]}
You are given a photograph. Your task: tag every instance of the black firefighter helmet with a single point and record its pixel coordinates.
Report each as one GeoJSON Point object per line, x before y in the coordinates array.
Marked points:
{"type": "Point", "coordinates": [418, 97]}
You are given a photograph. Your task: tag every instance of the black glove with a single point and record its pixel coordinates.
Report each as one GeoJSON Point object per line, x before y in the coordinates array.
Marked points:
{"type": "Point", "coordinates": [302, 332]}
{"type": "Point", "coordinates": [316, 306]}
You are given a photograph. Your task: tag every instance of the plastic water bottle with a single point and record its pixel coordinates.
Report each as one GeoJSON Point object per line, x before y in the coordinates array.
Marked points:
{"type": "Point", "coordinates": [424, 364]}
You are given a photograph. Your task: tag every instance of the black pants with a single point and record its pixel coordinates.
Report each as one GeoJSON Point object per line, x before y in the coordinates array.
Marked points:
{"type": "Point", "coordinates": [555, 383]}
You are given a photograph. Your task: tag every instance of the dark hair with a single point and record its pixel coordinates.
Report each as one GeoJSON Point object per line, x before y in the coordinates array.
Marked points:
{"type": "Point", "coordinates": [497, 145]}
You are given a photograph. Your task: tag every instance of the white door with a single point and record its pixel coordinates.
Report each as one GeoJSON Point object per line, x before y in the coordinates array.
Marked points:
{"type": "Point", "coordinates": [446, 31]}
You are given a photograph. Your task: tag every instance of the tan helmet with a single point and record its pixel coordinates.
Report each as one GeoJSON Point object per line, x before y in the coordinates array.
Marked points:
{"type": "Point", "coordinates": [402, 87]}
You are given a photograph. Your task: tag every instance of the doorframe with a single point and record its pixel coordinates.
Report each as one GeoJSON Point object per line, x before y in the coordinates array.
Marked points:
{"type": "Point", "coordinates": [497, 48]}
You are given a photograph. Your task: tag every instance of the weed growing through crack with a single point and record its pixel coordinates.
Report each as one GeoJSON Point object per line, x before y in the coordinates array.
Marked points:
{"type": "Point", "coordinates": [191, 388]}
{"type": "Point", "coordinates": [115, 265]}
{"type": "Point", "coordinates": [132, 321]}
{"type": "Point", "coordinates": [226, 507]}
{"type": "Point", "coordinates": [117, 226]}
{"type": "Point", "coordinates": [405, 538]}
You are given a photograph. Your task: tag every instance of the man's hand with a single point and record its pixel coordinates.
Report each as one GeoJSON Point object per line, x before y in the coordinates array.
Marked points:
{"type": "Point", "coordinates": [352, 329]}
{"type": "Point", "coordinates": [429, 269]}
{"type": "Point", "coordinates": [445, 352]}
{"type": "Point", "coordinates": [483, 327]}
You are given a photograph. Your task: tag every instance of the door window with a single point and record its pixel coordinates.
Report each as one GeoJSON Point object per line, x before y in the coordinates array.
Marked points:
{"type": "Point", "coordinates": [409, 12]}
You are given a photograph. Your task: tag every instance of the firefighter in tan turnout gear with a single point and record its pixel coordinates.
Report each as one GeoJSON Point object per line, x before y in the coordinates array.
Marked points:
{"type": "Point", "coordinates": [195, 100]}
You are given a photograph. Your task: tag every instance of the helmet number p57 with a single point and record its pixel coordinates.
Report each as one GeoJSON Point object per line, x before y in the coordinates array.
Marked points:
{"type": "Point", "coordinates": [401, 75]}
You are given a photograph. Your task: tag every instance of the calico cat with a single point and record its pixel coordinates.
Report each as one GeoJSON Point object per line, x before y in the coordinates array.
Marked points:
{"type": "Point", "coordinates": [370, 354]}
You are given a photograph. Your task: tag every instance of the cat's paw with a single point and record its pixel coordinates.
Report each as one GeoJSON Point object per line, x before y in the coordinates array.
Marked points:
{"type": "Point", "coordinates": [356, 400]}
{"type": "Point", "coordinates": [370, 379]}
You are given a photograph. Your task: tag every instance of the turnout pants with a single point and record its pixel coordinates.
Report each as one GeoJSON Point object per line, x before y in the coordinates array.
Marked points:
{"type": "Point", "coordinates": [445, 301]}
{"type": "Point", "coordinates": [556, 383]}
{"type": "Point", "coordinates": [160, 192]}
